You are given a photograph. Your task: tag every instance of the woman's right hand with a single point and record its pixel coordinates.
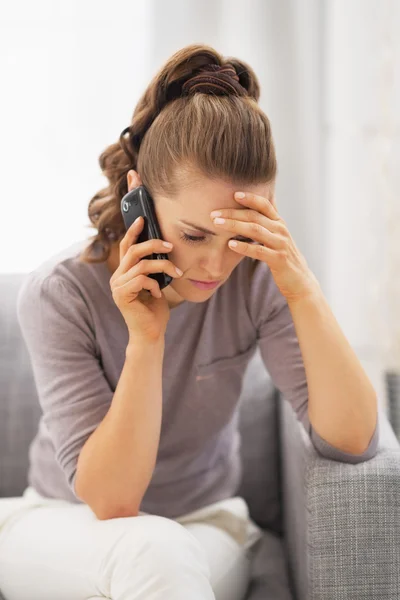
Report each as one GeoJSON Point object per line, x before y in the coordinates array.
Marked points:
{"type": "Point", "coordinates": [146, 314]}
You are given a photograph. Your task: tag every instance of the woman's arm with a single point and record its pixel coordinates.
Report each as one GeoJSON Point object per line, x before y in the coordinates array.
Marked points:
{"type": "Point", "coordinates": [342, 403]}
{"type": "Point", "coordinates": [283, 345]}
{"type": "Point", "coordinates": [116, 463]}
{"type": "Point", "coordinates": [112, 433]}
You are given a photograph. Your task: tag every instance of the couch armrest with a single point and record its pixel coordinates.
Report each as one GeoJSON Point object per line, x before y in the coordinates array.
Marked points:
{"type": "Point", "coordinates": [341, 521]}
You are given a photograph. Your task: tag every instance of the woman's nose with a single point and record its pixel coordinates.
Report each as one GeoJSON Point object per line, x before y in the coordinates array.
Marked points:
{"type": "Point", "coordinates": [214, 265]}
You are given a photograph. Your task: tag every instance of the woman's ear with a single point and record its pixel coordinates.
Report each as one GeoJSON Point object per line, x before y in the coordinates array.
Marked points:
{"type": "Point", "coordinates": [133, 180]}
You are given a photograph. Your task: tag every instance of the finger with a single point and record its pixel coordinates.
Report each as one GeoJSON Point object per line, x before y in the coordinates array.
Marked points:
{"type": "Point", "coordinates": [130, 237]}
{"type": "Point", "coordinates": [133, 287]}
{"type": "Point", "coordinates": [254, 231]}
{"type": "Point", "coordinates": [248, 216]}
{"type": "Point", "coordinates": [138, 251]}
{"type": "Point", "coordinates": [257, 251]}
{"type": "Point", "coordinates": [149, 266]}
{"type": "Point", "coordinates": [260, 204]}
{"type": "Point", "coordinates": [242, 214]}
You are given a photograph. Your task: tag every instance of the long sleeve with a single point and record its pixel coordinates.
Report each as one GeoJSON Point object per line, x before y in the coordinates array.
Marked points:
{"type": "Point", "coordinates": [73, 392]}
{"type": "Point", "coordinates": [282, 357]}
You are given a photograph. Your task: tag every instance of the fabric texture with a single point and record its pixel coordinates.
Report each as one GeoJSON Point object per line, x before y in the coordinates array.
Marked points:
{"type": "Point", "coordinates": [193, 557]}
{"type": "Point", "coordinates": [19, 407]}
{"type": "Point", "coordinates": [341, 521]}
{"type": "Point", "coordinates": [76, 338]}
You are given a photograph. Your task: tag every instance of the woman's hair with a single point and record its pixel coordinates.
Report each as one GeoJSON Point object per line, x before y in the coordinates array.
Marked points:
{"type": "Point", "coordinates": [199, 116]}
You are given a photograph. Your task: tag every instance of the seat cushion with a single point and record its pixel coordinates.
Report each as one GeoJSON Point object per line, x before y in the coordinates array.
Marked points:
{"type": "Point", "coordinates": [269, 572]}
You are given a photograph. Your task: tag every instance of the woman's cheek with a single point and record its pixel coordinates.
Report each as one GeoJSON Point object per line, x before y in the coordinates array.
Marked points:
{"type": "Point", "coordinates": [178, 255]}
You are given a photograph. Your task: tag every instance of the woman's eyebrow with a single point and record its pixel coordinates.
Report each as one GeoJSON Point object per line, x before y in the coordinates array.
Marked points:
{"type": "Point", "coordinates": [203, 229]}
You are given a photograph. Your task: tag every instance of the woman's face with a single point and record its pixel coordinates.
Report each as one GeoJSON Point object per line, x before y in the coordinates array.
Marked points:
{"type": "Point", "coordinates": [200, 249]}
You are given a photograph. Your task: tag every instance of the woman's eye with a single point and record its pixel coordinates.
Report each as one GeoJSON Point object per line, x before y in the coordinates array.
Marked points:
{"type": "Point", "coordinates": [193, 239]}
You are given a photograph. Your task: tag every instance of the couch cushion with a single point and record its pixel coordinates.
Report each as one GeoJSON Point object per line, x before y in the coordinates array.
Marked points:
{"type": "Point", "coordinates": [19, 407]}
{"type": "Point", "coordinates": [260, 446]}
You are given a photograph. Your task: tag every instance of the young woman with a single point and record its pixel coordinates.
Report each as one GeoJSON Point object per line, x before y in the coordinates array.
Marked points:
{"type": "Point", "coordinates": [135, 468]}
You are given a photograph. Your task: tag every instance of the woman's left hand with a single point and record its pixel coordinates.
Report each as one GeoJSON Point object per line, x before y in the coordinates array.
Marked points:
{"type": "Point", "coordinates": [261, 222]}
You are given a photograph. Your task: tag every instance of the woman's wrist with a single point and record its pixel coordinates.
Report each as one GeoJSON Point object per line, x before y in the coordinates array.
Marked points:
{"type": "Point", "coordinates": [144, 346]}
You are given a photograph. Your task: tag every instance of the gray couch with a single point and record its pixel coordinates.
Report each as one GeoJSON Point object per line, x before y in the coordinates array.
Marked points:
{"type": "Point", "coordinates": [331, 529]}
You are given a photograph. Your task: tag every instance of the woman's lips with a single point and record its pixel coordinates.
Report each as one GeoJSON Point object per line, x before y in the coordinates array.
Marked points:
{"type": "Point", "coordinates": [204, 285]}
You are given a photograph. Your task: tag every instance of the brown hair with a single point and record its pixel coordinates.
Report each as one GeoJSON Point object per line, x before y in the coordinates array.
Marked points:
{"type": "Point", "coordinates": [200, 114]}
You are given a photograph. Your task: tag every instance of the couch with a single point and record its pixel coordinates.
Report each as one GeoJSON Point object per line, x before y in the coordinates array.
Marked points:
{"type": "Point", "coordinates": [331, 530]}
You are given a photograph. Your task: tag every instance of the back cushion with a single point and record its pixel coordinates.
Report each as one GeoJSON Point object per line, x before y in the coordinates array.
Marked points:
{"type": "Point", "coordinates": [260, 446]}
{"type": "Point", "coordinates": [19, 407]}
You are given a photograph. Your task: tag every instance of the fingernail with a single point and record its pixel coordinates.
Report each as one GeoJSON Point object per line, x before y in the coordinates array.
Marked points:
{"type": "Point", "coordinates": [178, 271]}
{"type": "Point", "coordinates": [167, 244]}
{"type": "Point", "coordinates": [136, 221]}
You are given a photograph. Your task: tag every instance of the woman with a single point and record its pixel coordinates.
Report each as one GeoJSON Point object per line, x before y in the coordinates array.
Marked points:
{"type": "Point", "coordinates": [136, 464]}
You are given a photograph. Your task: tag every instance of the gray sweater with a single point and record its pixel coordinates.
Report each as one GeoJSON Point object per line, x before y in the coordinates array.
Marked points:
{"type": "Point", "coordinates": [76, 338]}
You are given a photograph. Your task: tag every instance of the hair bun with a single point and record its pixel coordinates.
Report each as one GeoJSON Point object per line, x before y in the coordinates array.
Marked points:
{"type": "Point", "coordinates": [221, 80]}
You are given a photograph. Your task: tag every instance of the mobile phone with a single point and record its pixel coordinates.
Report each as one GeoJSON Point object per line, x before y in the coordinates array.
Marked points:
{"type": "Point", "coordinates": [139, 203]}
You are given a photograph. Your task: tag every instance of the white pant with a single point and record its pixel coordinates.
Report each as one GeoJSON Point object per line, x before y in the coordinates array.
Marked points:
{"type": "Point", "coordinates": [56, 550]}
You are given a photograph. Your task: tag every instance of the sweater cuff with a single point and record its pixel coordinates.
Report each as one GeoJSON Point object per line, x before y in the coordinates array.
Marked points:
{"type": "Point", "coordinates": [332, 453]}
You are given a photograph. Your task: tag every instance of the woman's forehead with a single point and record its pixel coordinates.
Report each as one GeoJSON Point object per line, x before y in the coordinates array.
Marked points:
{"type": "Point", "coordinates": [213, 194]}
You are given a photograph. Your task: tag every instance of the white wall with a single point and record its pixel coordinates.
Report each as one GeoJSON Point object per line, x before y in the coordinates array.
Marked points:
{"type": "Point", "coordinates": [362, 103]}
{"type": "Point", "coordinates": [72, 73]}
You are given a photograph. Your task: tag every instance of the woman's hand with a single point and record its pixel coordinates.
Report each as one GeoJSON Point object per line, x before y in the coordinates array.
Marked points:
{"type": "Point", "coordinates": [261, 222]}
{"type": "Point", "coordinates": [146, 314]}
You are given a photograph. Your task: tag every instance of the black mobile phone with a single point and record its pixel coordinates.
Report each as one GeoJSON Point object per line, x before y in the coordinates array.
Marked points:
{"type": "Point", "coordinates": [139, 203]}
